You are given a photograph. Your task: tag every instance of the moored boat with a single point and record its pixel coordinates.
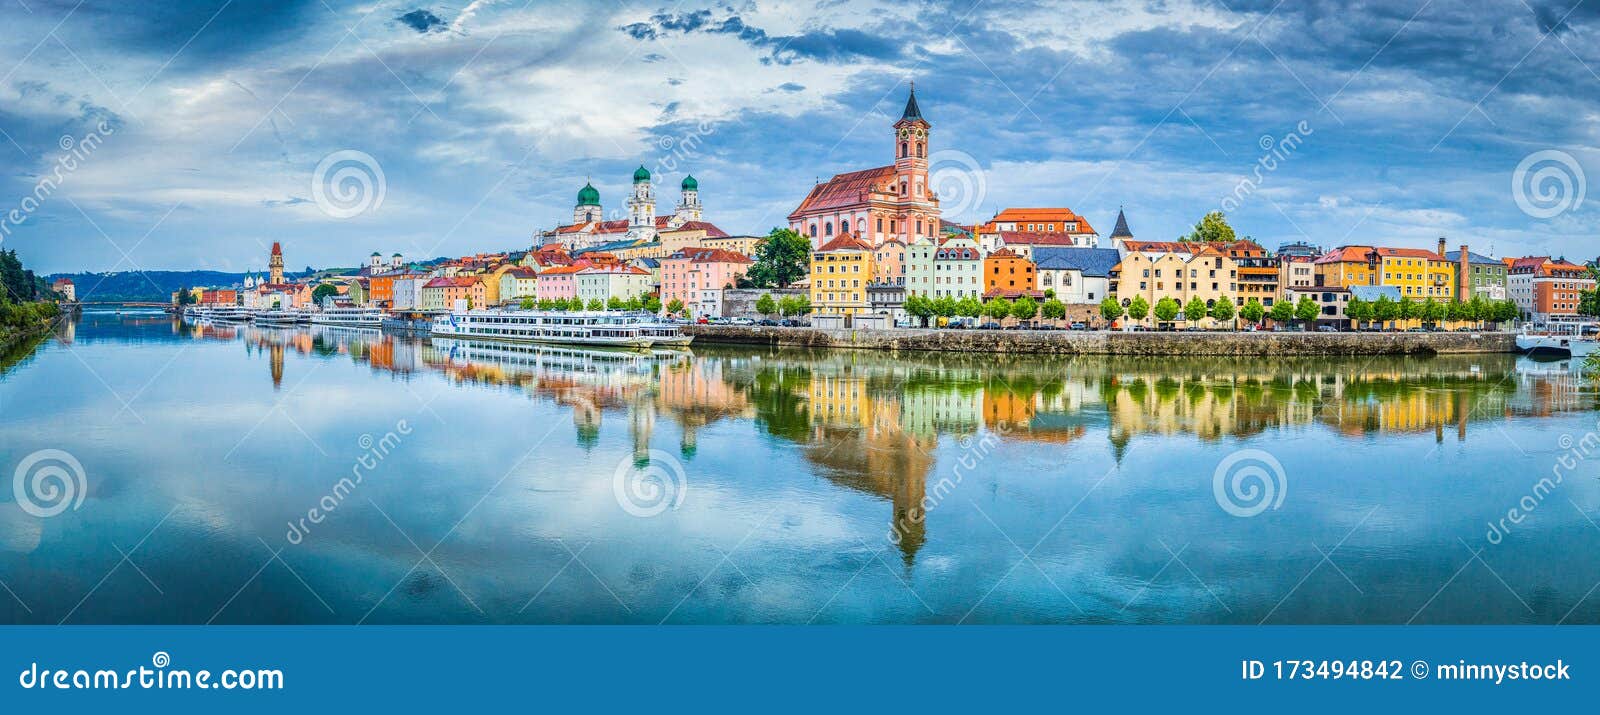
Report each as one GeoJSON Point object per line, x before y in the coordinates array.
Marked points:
{"type": "Point", "coordinates": [349, 317]}
{"type": "Point", "coordinates": [616, 329]}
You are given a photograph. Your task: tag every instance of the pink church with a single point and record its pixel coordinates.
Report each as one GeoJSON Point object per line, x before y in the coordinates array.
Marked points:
{"type": "Point", "coordinates": [892, 201]}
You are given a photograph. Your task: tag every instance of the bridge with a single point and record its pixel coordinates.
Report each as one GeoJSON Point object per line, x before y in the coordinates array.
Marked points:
{"type": "Point", "coordinates": [119, 304]}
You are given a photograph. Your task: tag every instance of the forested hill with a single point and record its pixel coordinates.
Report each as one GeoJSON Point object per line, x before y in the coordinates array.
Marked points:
{"type": "Point", "coordinates": [153, 286]}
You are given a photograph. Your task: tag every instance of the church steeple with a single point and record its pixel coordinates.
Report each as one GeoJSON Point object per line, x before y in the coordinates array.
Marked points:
{"type": "Point", "coordinates": [1121, 230]}
{"type": "Point", "coordinates": [912, 112]}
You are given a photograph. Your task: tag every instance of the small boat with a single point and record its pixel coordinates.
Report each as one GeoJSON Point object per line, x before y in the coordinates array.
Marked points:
{"type": "Point", "coordinates": [231, 314]}
{"type": "Point", "coordinates": [277, 317]}
{"type": "Point", "coordinates": [608, 328]}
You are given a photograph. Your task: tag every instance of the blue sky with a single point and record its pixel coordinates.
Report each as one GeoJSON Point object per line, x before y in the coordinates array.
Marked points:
{"type": "Point", "coordinates": [1409, 118]}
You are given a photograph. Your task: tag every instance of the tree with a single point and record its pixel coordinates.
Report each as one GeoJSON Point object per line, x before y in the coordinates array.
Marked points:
{"type": "Point", "coordinates": [651, 303]}
{"type": "Point", "coordinates": [1480, 309]}
{"type": "Point", "coordinates": [1110, 309]}
{"type": "Point", "coordinates": [1212, 228]}
{"type": "Point", "coordinates": [527, 304]}
{"type": "Point", "coordinates": [674, 307]}
{"type": "Point", "coordinates": [1195, 311]}
{"type": "Point", "coordinates": [765, 305]}
{"type": "Point", "coordinates": [781, 258]}
{"type": "Point", "coordinates": [1433, 311]}
{"type": "Point", "coordinates": [1307, 310]}
{"type": "Point", "coordinates": [596, 304]}
{"type": "Point", "coordinates": [1053, 309]}
{"type": "Point", "coordinates": [614, 303]}
{"type": "Point", "coordinates": [1138, 308]}
{"type": "Point", "coordinates": [945, 306]}
{"type": "Point", "coordinates": [1167, 310]}
{"type": "Point", "coordinates": [1222, 311]}
{"type": "Point", "coordinates": [1358, 311]}
{"type": "Point", "coordinates": [323, 291]}
{"type": "Point", "coordinates": [997, 308]}
{"type": "Point", "coordinates": [920, 308]}
{"type": "Point", "coordinates": [1282, 312]}
{"type": "Point", "coordinates": [802, 304]}
{"type": "Point", "coordinates": [1505, 311]}
{"type": "Point", "coordinates": [1385, 310]}
{"type": "Point", "coordinates": [969, 307]}
{"type": "Point", "coordinates": [1049, 293]}
{"type": "Point", "coordinates": [1408, 309]}
{"type": "Point", "coordinates": [1252, 312]}
{"type": "Point", "coordinates": [1025, 308]}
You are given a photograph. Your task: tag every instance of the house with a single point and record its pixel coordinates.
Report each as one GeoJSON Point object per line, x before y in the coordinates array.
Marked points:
{"type": "Point", "coordinates": [1006, 274]}
{"type": "Point", "coordinates": [840, 272]}
{"type": "Point", "coordinates": [1075, 275]}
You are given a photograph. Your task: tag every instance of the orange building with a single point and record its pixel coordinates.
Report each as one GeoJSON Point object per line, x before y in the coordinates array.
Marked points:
{"type": "Point", "coordinates": [1028, 227]}
{"type": "Point", "coordinates": [1007, 274]}
{"type": "Point", "coordinates": [1543, 287]}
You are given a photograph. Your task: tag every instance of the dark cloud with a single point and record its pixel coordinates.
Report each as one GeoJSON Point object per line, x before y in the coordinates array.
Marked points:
{"type": "Point", "coordinates": [791, 87]}
{"type": "Point", "coordinates": [422, 21]}
{"type": "Point", "coordinates": [828, 46]}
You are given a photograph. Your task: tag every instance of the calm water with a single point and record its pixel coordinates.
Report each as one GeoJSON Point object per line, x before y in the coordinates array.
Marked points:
{"type": "Point", "coordinates": [733, 486]}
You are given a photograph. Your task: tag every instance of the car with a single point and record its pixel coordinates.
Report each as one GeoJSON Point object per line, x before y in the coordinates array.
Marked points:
{"type": "Point", "coordinates": [1077, 326]}
{"type": "Point", "coordinates": [768, 322]}
{"type": "Point", "coordinates": [989, 326]}
{"type": "Point", "coordinates": [741, 321]}
{"type": "Point", "coordinates": [1416, 330]}
{"type": "Point", "coordinates": [1465, 330]}
{"type": "Point", "coordinates": [703, 321]}
{"type": "Point", "coordinates": [1327, 329]}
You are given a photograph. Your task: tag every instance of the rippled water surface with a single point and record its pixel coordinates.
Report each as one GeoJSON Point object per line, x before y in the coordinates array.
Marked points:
{"type": "Point", "coordinates": [255, 475]}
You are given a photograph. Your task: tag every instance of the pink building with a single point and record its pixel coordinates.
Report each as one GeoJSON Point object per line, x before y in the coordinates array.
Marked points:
{"type": "Point", "coordinates": [891, 259]}
{"type": "Point", "coordinates": [685, 273]}
{"type": "Point", "coordinates": [559, 282]}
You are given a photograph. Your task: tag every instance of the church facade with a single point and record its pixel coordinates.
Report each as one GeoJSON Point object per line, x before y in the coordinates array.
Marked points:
{"type": "Point", "coordinates": [876, 205]}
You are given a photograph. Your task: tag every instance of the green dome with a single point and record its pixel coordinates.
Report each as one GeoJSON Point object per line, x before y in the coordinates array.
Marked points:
{"type": "Point", "coordinates": [588, 195]}
{"type": "Point", "coordinates": [641, 174]}
{"type": "Point", "coordinates": [689, 184]}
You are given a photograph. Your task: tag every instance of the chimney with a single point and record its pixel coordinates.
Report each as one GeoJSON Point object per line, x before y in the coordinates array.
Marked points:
{"type": "Point", "coordinates": [1441, 247]}
{"type": "Point", "coordinates": [1463, 275]}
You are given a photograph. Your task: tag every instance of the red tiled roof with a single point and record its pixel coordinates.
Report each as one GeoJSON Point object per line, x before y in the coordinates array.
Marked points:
{"type": "Point", "coordinates": [1036, 215]}
{"type": "Point", "coordinates": [456, 282]}
{"type": "Point", "coordinates": [521, 272]}
{"type": "Point", "coordinates": [711, 230]}
{"type": "Point", "coordinates": [563, 270]}
{"type": "Point", "coordinates": [1360, 254]}
{"type": "Point", "coordinates": [711, 255]}
{"type": "Point", "coordinates": [844, 190]}
{"type": "Point", "coordinates": [1004, 253]}
{"type": "Point", "coordinates": [1034, 238]}
{"type": "Point", "coordinates": [1159, 246]}
{"type": "Point", "coordinates": [844, 242]}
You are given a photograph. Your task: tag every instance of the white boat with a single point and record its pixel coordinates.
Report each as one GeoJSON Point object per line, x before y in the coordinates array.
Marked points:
{"type": "Point", "coordinates": [349, 317]}
{"type": "Point", "coordinates": [278, 317]}
{"type": "Point", "coordinates": [231, 313]}
{"type": "Point", "coordinates": [1576, 337]}
{"type": "Point", "coordinates": [616, 329]}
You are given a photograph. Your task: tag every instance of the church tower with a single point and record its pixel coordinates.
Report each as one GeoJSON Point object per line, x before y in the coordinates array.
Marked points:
{"type": "Point", "coordinates": [642, 206]}
{"type": "Point", "coordinates": [689, 206]}
{"type": "Point", "coordinates": [588, 208]}
{"type": "Point", "coordinates": [911, 169]}
{"type": "Point", "coordinates": [275, 264]}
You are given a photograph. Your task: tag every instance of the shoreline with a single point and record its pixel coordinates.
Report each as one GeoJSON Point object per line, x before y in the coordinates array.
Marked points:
{"type": "Point", "coordinates": [1260, 344]}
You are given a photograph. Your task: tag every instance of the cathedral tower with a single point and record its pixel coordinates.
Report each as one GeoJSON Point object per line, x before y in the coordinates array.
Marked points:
{"type": "Point", "coordinates": [689, 206]}
{"type": "Point", "coordinates": [642, 206]}
{"type": "Point", "coordinates": [588, 208]}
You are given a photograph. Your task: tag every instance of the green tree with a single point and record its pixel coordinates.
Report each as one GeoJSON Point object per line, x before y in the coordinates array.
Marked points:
{"type": "Point", "coordinates": [945, 306]}
{"type": "Point", "coordinates": [323, 291]}
{"type": "Point", "coordinates": [919, 307]}
{"type": "Point", "coordinates": [614, 303]}
{"type": "Point", "coordinates": [1138, 308]}
{"type": "Point", "coordinates": [781, 258]}
{"type": "Point", "coordinates": [528, 304]}
{"type": "Point", "coordinates": [1110, 309]}
{"type": "Point", "coordinates": [969, 307]}
{"type": "Point", "coordinates": [1385, 310]}
{"type": "Point", "coordinates": [1358, 311]}
{"type": "Point", "coordinates": [1252, 312]}
{"type": "Point", "coordinates": [1053, 309]}
{"type": "Point", "coordinates": [1408, 308]}
{"type": "Point", "coordinates": [1307, 310]}
{"type": "Point", "coordinates": [1222, 311]}
{"type": "Point", "coordinates": [997, 308]}
{"type": "Point", "coordinates": [1167, 310]}
{"type": "Point", "coordinates": [1025, 308]}
{"type": "Point", "coordinates": [1506, 311]}
{"type": "Point", "coordinates": [651, 303]}
{"type": "Point", "coordinates": [1282, 312]}
{"type": "Point", "coordinates": [1433, 311]}
{"type": "Point", "coordinates": [674, 307]}
{"type": "Point", "coordinates": [802, 304]}
{"type": "Point", "coordinates": [596, 304]}
{"type": "Point", "coordinates": [1212, 228]}
{"type": "Point", "coordinates": [765, 305]}
{"type": "Point", "coordinates": [1195, 311]}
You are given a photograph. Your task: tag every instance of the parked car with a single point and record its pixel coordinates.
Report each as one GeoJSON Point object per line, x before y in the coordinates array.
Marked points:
{"type": "Point", "coordinates": [1077, 326]}
{"type": "Point", "coordinates": [989, 326]}
{"type": "Point", "coordinates": [1416, 330]}
{"type": "Point", "coordinates": [741, 321]}
{"type": "Point", "coordinates": [1327, 329]}
{"type": "Point", "coordinates": [768, 322]}
{"type": "Point", "coordinates": [703, 321]}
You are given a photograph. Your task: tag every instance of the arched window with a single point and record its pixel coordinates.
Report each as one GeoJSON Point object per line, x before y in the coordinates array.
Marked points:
{"type": "Point", "coordinates": [902, 188]}
{"type": "Point", "coordinates": [922, 150]}
{"type": "Point", "coordinates": [813, 230]}
{"type": "Point", "coordinates": [904, 152]}
{"type": "Point", "coordinates": [827, 228]}
{"type": "Point", "coordinates": [861, 225]}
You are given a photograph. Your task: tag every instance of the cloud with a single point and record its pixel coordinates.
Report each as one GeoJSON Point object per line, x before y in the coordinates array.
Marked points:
{"type": "Point", "coordinates": [423, 21]}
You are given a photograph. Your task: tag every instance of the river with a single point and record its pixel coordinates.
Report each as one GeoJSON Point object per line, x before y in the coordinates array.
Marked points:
{"type": "Point", "coordinates": [239, 474]}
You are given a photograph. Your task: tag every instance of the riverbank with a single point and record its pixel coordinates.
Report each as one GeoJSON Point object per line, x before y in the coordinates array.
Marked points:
{"type": "Point", "coordinates": [19, 323]}
{"type": "Point", "coordinates": [1112, 343]}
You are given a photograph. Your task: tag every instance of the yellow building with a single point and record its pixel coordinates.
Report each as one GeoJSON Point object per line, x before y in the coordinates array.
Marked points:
{"type": "Point", "coordinates": [1418, 273]}
{"type": "Point", "coordinates": [1180, 271]}
{"type": "Point", "coordinates": [737, 244]}
{"type": "Point", "coordinates": [840, 272]}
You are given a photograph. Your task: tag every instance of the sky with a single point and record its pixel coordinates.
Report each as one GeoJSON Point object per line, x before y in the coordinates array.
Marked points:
{"type": "Point", "coordinates": [191, 134]}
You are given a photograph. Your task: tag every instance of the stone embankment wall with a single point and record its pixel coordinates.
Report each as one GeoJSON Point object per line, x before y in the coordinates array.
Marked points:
{"type": "Point", "coordinates": [1112, 343]}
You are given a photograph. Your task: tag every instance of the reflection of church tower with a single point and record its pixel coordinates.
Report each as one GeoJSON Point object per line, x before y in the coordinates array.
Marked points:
{"type": "Point", "coordinates": [275, 264]}
{"type": "Point", "coordinates": [588, 208]}
{"type": "Point", "coordinates": [642, 206]}
{"type": "Point", "coordinates": [275, 361]}
{"type": "Point", "coordinates": [586, 418]}
{"type": "Point", "coordinates": [641, 425]}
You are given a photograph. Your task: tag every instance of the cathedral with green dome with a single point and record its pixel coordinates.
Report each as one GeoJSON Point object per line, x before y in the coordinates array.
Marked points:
{"type": "Point", "coordinates": [590, 226]}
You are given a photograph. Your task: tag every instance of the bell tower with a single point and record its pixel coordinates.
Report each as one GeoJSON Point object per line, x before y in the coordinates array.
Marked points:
{"type": "Point", "coordinates": [275, 264]}
{"type": "Point", "coordinates": [911, 164]}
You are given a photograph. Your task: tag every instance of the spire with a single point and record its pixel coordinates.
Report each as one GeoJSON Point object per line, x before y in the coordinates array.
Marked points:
{"type": "Point", "coordinates": [912, 112]}
{"type": "Point", "coordinates": [1121, 230]}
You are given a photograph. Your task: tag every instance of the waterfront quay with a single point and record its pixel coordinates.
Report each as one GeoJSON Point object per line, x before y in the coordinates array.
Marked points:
{"type": "Point", "coordinates": [1255, 344]}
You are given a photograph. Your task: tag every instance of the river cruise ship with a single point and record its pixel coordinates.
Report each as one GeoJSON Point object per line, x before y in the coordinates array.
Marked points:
{"type": "Point", "coordinates": [616, 329]}
{"type": "Point", "coordinates": [278, 317]}
{"type": "Point", "coordinates": [349, 317]}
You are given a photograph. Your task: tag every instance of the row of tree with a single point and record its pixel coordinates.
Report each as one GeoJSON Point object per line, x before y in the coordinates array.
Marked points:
{"type": "Point", "coordinates": [787, 306]}
{"type": "Point", "coordinates": [636, 303]}
{"type": "Point", "coordinates": [1477, 310]}
{"type": "Point", "coordinates": [1024, 307]}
